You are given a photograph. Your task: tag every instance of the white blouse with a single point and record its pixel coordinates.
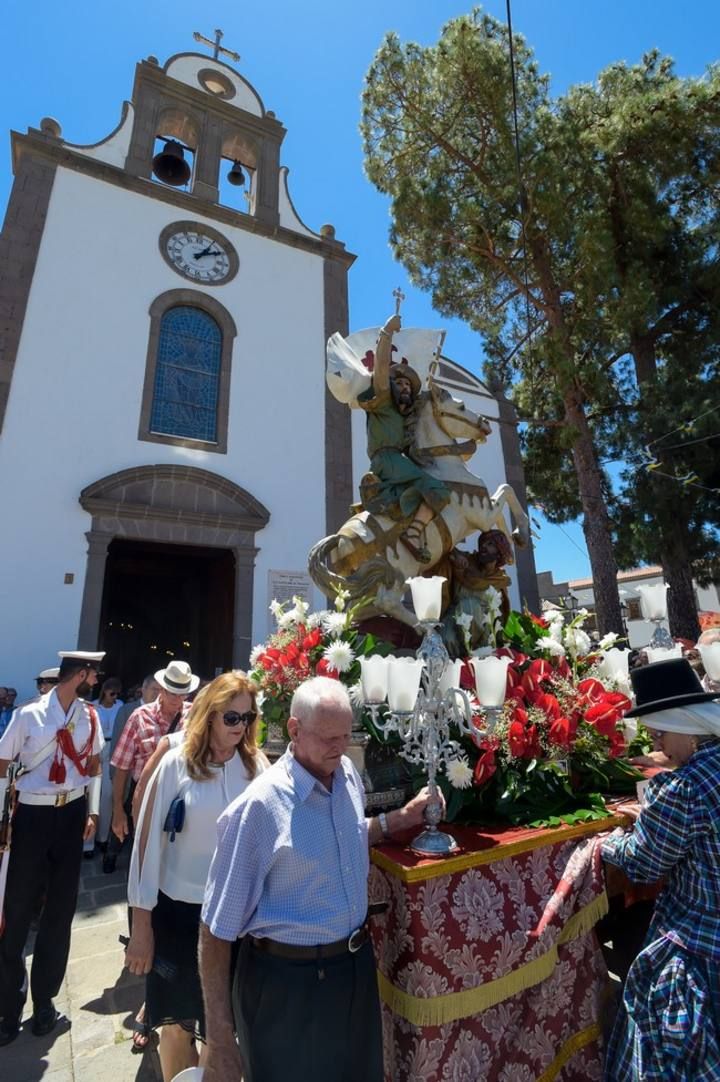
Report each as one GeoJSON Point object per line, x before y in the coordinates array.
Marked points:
{"type": "Point", "coordinates": [180, 868]}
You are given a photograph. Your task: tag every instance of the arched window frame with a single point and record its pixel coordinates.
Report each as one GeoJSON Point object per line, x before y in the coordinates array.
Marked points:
{"type": "Point", "coordinates": [194, 299]}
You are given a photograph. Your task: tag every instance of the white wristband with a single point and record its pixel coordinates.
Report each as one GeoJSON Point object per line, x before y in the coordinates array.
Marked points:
{"type": "Point", "coordinates": [382, 820]}
{"type": "Point", "coordinates": [93, 792]}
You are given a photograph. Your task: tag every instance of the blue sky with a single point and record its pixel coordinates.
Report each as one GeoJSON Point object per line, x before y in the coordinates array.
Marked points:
{"type": "Point", "coordinates": [307, 59]}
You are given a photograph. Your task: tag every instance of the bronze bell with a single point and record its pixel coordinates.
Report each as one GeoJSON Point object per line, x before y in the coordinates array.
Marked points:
{"type": "Point", "coordinates": [170, 166]}
{"type": "Point", "coordinates": [236, 175]}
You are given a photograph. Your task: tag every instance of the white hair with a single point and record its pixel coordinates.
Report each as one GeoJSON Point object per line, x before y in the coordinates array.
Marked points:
{"type": "Point", "coordinates": [317, 692]}
{"type": "Point", "coordinates": [697, 719]}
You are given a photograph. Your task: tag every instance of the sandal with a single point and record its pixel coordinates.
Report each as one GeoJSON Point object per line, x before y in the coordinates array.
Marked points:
{"type": "Point", "coordinates": [140, 1035]}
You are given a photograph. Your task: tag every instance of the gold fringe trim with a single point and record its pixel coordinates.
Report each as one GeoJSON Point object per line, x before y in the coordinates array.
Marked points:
{"type": "Point", "coordinates": [572, 1045]}
{"type": "Point", "coordinates": [437, 1010]}
{"type": "Point", "coordinates": [449, 865]}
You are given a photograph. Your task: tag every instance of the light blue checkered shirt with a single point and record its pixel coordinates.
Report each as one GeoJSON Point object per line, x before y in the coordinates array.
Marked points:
{"type": "Point", "coordinates": [292, 861]}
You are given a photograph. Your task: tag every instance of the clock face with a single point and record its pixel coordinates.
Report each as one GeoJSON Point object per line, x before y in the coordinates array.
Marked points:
{"type": "Point", "coordinates": [198, 256]}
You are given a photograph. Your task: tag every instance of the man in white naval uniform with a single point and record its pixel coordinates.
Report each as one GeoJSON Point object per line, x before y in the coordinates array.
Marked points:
{"type": "Point", "coordinates": [57, 741]}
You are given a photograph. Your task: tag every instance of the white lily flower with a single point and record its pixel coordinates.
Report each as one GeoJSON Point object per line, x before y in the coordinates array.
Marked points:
{"type": "Point", "coordinates": [608, 641]}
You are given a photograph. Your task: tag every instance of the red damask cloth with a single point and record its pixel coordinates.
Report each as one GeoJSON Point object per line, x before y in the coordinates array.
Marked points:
{"type": "Point", "coordinates": [488, 965]}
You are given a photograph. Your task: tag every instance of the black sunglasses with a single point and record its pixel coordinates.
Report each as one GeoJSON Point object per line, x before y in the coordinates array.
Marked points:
{"type": "Point", "coordinates": [231, 717]}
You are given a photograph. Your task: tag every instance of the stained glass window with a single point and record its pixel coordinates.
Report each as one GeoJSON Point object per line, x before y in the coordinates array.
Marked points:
{"type": "Point", "coordinates": [187, 375]}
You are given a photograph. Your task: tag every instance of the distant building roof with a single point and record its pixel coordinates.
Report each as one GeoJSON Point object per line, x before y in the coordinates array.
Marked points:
{"type": "Point", "coordinates": [622, 576]}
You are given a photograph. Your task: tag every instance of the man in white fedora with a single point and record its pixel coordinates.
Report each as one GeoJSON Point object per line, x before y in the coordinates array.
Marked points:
{"type": "Point", "coordinates": [57, 741]}
{"type": "Point", "coordinates": [144, 730]}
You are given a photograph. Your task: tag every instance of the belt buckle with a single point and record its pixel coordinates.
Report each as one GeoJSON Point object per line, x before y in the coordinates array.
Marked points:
{"type": "Point", "coordinates": [61, 800]}
{"type": "Point", "coordinates": [356, 940]}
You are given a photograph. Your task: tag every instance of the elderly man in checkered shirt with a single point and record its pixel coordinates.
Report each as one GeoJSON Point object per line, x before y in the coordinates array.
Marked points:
{"type": "Point", "coordinates": [289, 876]}
{"type": "Point", "coordinates": [144, 729]}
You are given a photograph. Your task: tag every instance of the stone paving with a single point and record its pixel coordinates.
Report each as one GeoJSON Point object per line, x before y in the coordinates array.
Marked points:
{"type": "Point", "coordinates": [99, 999]}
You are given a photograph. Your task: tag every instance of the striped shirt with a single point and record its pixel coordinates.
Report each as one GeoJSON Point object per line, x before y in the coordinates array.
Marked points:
{"type": "Point", "coordinates": [292, 859]}
{"type": "Point", "coordinates": [142, 733]}
{"type": "Point", "coordinates": [677, 835]}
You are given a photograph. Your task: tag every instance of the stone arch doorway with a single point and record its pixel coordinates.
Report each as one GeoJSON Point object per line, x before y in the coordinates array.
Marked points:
{"type": "Point", "coordinates": [182, 511]}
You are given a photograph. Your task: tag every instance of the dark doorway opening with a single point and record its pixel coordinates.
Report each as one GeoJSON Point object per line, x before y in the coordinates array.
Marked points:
{"type": "Point", "coordinates": [166, 601]}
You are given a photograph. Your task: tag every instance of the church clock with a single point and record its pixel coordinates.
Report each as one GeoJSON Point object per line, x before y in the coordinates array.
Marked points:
{"type": "Point", "coordinates": [199, 252]}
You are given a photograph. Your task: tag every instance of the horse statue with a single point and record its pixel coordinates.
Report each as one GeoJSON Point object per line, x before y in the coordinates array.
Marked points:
{"type": "Point", "coordinates": [366, 557]}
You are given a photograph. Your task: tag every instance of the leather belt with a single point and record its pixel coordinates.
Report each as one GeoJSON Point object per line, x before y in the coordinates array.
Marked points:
{"type": "Point", "coordinates": [351, 945]}
{"type": "Point", "coordinates": [53, 800]}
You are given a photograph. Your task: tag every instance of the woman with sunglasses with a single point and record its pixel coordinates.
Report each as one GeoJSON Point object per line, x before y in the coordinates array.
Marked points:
{"type": "Point", "coordinates": [215, 763]}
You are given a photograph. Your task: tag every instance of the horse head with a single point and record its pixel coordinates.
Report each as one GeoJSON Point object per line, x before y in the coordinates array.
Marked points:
{"type": "Point", "coordinates": [454, 417]}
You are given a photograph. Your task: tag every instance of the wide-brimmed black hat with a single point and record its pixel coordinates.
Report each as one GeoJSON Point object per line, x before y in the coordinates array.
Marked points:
{"type": "Point", "coordinates": [665, 684]}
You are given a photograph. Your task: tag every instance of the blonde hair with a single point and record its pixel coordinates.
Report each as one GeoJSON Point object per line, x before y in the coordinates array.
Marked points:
{"type": "Point", "coordinates": [215, 699]}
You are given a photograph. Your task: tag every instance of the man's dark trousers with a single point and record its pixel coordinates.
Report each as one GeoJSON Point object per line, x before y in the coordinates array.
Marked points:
{"type": "Point", "coordinates": [47, 846]}
{"type": "Point", "coordinates": [308, 1021]}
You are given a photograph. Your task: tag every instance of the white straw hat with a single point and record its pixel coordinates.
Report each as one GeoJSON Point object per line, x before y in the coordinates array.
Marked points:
{"type": "Point", "coordinates": [177, 678]}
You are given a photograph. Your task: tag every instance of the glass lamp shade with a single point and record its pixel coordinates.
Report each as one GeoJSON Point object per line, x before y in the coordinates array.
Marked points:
{"type": "Point", "coordinates": [450, 677]}
{"type": "Point", "coordinates": [660, 653]}
{"type": "Point", "coordinates": [403, 682]}
{"type": "Point", "coordinates": [374, 678]}
{"type": "Point", "coordinates": [614, 664]}
{"type": "Point", "coordinates": [490, 679]}
{"type": "Point", "coordinates": [653, 601]}
{"type": "Point", "coordinates": [427, 596]}
{"type": "Point", "coordinates": [710, 655]}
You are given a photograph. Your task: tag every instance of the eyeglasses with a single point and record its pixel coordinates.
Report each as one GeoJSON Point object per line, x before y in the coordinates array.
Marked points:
{"type": "Point", "coordinates": [231, 717]}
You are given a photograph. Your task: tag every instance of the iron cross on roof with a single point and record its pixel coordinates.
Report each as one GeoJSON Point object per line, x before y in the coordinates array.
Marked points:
{"type": "Point", "coordinates": [216, 47]}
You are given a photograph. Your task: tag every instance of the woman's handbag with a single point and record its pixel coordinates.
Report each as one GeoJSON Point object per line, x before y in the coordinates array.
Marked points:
{"type": "Point", "coordinates": [175, 818]}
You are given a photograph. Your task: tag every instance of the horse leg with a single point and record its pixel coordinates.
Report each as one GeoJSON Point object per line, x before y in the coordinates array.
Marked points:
{"type": "Point", "coordinates": [505, 496]}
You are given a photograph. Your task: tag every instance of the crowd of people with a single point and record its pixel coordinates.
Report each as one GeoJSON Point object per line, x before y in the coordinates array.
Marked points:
{"type": "Point", "coordinates": [247, 886]}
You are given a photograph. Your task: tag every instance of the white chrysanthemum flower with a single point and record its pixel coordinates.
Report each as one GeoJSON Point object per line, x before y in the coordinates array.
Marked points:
{"type": "Point", "coordinates": [459, 773]}
{"type": "Point", "coordinates": [256, 653]}
{"type": "Point", "coordinates": [548, 645]}
{"type": "Point", "coordinates": [315, 619]}
{"type": "Point", "coordinates": [555, 630]}
{"type": "Point", "coordinates": [339, 656]}
{"type": "Point", "coordinates": [577, 642]}
{"type": "Point", "coordinates": [356, 694]}
{"type": "Point", "coordinates": [608, 641]}
{"type": "Point", "coordinates": [334, 624]}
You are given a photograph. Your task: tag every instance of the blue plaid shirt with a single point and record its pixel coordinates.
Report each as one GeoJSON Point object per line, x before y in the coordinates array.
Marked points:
{"type": "Point", "coordinates": [292, 859]}
{"type": "Point", "coordinates": [677, 835]}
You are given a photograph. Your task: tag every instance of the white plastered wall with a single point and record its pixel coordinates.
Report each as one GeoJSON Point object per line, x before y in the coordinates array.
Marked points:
{"type": "Point", "coordinates": [75, 401]}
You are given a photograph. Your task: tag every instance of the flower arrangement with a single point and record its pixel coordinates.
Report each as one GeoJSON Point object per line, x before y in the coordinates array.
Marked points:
{"type": "Point", "coordinates": [305, 644]}
{"type": "Point", "coordinates": [559, 740]}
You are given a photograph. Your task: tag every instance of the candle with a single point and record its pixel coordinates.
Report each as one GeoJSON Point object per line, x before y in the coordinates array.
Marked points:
{"type": "Point", "coordinates": [450, 677]}
{"type": "Point", "coordinates": [653, 601]}
{"type": "Point", "coordinates": [662, 653]}
{"type": "Point", "coordinates": [404, 675]}
{"type": "Point", "coordinates": [427, 596]}
{"type": "Point", "coordinates": [710, 654]}
{"type": "Point", "coordinates": [374, 678]}
{"type": "Point", "coordinates": [490, 679]}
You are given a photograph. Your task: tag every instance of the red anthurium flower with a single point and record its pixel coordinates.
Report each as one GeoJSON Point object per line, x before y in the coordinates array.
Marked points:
{"type": "Point", "coordinates": [562, 732]}
{"type": "Point", "coordinates": [603, 716]}
{"type": "Point", "coordinates": [312, 639]}
{"type": "Point", "coordinates": [515, 656]}
{"type": "Point", "coordinates": [617, 744]}
{"type": "Point", "coordinates": [591, 690]}
{"type": "Point", "coordinates": [467, 676]}
{"type": "Point", "coordinates": [517, 740]}
{"type": "Point", "coordinates": [323, 668]}
{"type": "Point", "coordinates": [538, 620]}
{"type": "Point", "coordinates": [537, 671]}
{"type": "Point", "coordinates": [518, 695]}
{"type": "Point", "coordinates": [485, 767]}
{"type": "Point", "coordinates": [545, 702]}
{"type": "Point", "coordinates": [562, 668]}
{"type": "Point", "coordinates": [533, 749]}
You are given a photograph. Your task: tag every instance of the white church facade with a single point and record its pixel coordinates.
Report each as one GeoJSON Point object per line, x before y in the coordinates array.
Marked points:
{"type": "Point", "coordinates": [167, 441]}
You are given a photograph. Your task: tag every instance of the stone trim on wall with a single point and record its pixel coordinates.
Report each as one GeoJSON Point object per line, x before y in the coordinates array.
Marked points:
{"type": "Point", "coordinates": [177, 504]}
{"type": "Point", "coordinates": [195, 299]}
{"type": "Point", "coordinates": [338, 422]}
{"type": "Point", "coordinates": [19, 247]}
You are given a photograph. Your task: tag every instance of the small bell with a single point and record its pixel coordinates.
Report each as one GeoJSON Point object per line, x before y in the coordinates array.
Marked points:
{"type": "Point", "coordinates": [236, 175]}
